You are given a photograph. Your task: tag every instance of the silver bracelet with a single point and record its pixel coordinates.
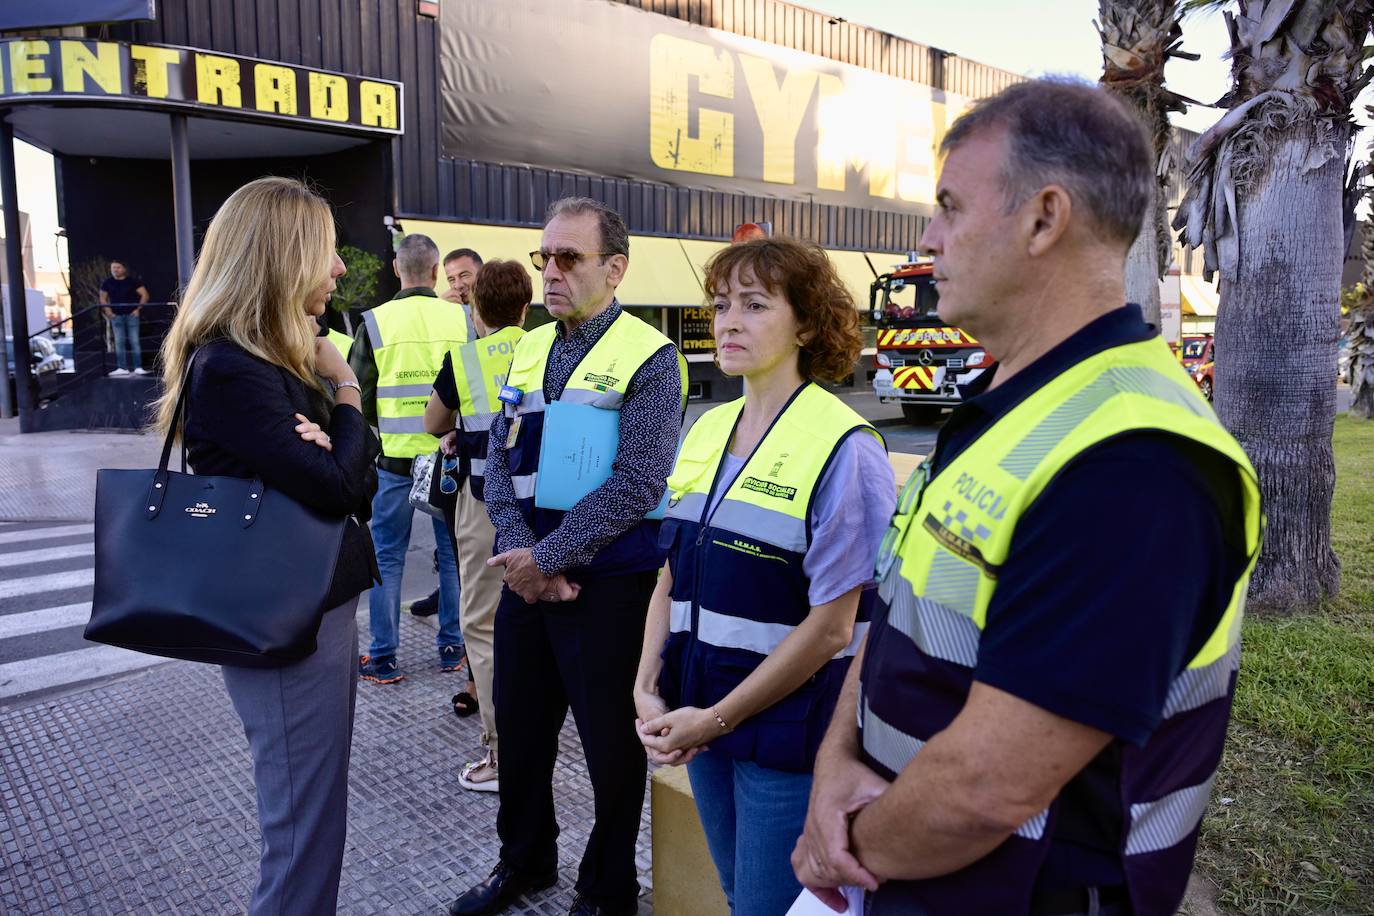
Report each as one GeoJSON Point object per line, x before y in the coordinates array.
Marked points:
{"type": "Point", "coordinates": [348, 384]}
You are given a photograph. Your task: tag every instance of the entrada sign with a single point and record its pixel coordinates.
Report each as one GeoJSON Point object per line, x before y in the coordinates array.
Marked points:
{"type": "Point", "coordinates": [167, 75]}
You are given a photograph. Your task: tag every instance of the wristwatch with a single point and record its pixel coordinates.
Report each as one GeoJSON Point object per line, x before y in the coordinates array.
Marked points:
{"type": "Point", "coordinates": [348, 383]}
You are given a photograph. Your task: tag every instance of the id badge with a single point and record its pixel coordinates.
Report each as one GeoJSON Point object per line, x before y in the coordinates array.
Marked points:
{"type": "Point", "coordinates": [514, 432]}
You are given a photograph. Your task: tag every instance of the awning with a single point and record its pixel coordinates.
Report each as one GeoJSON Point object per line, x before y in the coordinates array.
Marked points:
{"type": "Point", "coordinates": [1198, 297]}
{"type": "Point", "coordinates": [663, 271]}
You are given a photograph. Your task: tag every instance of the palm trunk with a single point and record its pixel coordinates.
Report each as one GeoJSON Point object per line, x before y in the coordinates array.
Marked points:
{"type": "Point", "coordinates": [1275, 347]}
{"type": "Point", "coordinates": [1142, 266]}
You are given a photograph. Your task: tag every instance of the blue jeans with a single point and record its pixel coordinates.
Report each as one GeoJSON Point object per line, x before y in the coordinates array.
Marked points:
{"type": "Point", "coordinates": [752, 816]}
{"type": "Point", "coordinates": [128, 350]}
{"type": "Point", "coordinates": [391, 518]}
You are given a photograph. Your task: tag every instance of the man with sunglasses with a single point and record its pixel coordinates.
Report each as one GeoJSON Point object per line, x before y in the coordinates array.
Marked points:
{"type": "Point", "coordinates": [577, 584]}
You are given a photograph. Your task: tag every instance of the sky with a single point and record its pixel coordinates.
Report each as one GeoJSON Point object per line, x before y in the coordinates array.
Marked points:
{"type": "Point", "coordinates": [1032, 37]}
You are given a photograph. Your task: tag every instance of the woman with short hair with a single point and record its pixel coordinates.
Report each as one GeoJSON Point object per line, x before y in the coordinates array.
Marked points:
{"type": "Point", "coordinates": [778, 505]}
{"type": "Point", "coordinates": [266, 398]}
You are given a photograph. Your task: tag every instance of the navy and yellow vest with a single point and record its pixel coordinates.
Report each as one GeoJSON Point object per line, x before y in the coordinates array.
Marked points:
{"type": "Point", "coordinates": [409, 338]}
{"type": "Point", "coordinates": [479, 371]}
{"type": "Point", "coordinates": [600, 379]}
{"type": "Point", "coordinates": [938, 573]}
{"type": "Point", "coordinates": [739, 586]}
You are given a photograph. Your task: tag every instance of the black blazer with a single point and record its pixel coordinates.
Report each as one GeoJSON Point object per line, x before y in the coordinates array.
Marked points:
{"type": "Point", "coordinates": [240, 422]}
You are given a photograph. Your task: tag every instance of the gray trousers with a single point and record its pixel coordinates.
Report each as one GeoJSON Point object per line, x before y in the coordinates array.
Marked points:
{"type": "Point", "coordinates": [299, 723]}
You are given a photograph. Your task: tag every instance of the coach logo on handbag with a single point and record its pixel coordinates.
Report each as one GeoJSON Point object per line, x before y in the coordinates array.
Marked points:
{"type": "Point", "coordinates": [200, 510]}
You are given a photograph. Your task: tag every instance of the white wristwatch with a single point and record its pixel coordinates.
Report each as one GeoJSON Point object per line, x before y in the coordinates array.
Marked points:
{"type": "Point", "coordinates": [348, 384]}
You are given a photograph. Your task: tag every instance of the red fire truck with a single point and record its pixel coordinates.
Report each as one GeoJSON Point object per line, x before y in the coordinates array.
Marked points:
{"type": "Point", "coordinates": [920, 360]}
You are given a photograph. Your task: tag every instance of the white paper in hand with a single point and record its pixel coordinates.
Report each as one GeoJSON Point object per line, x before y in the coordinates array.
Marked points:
{"type": "Point", "coordinates": [808, 904]}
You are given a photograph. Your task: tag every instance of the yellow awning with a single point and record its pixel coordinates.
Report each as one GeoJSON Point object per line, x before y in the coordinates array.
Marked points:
{"type": "Point", "coordinates": [663, 271]}
{"type": "Point", "coordinates": [1198, 297]}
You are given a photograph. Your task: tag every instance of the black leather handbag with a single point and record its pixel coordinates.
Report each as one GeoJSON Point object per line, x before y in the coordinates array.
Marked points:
{"type": "Point", "coordinates": [208, 569]}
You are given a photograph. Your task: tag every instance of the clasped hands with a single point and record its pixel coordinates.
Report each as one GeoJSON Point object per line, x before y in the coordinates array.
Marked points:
{"type": "Point", "coordinates": [673, 737]}
{"type": "Point", "coordinates": [524, 577]}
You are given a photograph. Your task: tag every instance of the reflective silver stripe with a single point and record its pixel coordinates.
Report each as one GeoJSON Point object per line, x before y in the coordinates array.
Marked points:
{"type": "Point", "coordinates": [936, 630]}
{"type": "Point", "coordinates": [888, 744]}
{"type": "Point", "coordinates": [478, 423]}
{"type": "Point", "coordinates": [467, 319]}
{"type": "Point", "coordinates": [1167, 822]}
{"type": "Point", "coordinates": [1199, 686]}
{"type": "Point", "coordinates": [776, 528]}
{"type": "Point", "coordinates": [738, 633]}
{"type": "Point", "coordinates": [607, 400]}
{"type": "Point", "coordinates": [401, 425]}
{"type": "Point", "coordinates": [374, 330]}
{"type": "Point", "coordinates": [532, 402]}
{"type": "Point", "coordinates": [895, 749]}
{"type": "Point", "coordinates": [523, 484]}
{"type": "Point", "coordinates": [477, 385]}
{"type": "Point", "coordinates": [479, 467]}
{"type": "Point", "coordinates": [403, 391]}
{"type": "Point", "coordinates": [680, 617]}
{"type": "Point", "coordinates": [688, 508]}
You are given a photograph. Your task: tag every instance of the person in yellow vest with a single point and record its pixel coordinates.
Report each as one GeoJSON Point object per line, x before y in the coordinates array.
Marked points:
{"type": "Point", "coordinates": [1040, 706]}
{"type": "Point", "coordinates": [467, 395]}
{"type": "Point", "coordinates": [779, 501]}
{"type": "Point", "coordinates": [397, 352]}
{"type": "Point", "coordinates": [577, 583]}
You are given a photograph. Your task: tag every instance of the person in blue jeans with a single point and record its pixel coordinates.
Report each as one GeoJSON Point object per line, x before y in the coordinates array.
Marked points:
{"type": "Point", "coordinates": [122, 297]}
{"type": "Point", "coordinates": [778, 505]}
{"type": "Point", "coordinates": [397, 351]}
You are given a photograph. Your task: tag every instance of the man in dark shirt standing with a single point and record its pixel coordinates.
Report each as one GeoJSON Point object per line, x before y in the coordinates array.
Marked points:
{"type": "Point", "coordinates": [1036, 716]}
{"type": "Point", "coordinates": [577, 583]}
{"type": "Point", "coordinates": [122, 298]}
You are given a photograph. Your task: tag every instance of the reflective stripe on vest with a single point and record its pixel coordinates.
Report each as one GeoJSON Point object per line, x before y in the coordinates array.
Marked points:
{"type": "Point", "coordinates": [409, 338]}
{"type": "Point", "coordinates": [938, 572]}
{"type": "Point", "coordinates": [480, 367]}
{"type": "Point", "coordinates": [739, 584]}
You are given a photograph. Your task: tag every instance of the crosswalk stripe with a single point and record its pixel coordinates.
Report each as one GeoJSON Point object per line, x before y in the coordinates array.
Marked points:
{"type": "Point", "coordinates": [53, 582]}
{"type": "Point", "coordinates": [39, 534]}
{"type": "Point", "coordinates": [45, 554]}
{"type": "Point", "coordinates": [49, 671]}
{"type": "Point", "coordinates": [50, 618]}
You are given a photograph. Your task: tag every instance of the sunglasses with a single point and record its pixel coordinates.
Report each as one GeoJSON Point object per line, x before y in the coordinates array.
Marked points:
{"type": "Point", "coordinates": [566, 259]}
{"type": "Point", "coordinates": [448, 484]}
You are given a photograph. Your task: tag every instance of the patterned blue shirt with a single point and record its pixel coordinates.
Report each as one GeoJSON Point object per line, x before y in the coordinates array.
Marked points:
{"type": "Point", "coordinates": [650, 421]}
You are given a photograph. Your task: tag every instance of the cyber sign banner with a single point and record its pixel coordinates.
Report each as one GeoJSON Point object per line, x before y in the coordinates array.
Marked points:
{"type": "Point", "coordinates": [604, 88]}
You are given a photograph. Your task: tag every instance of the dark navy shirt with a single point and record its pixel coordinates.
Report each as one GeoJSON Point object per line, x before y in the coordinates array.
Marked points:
{"type": "Point", "coordinates": [123, 294]}
{"type": "Point", "coordinates": [1116, 576]}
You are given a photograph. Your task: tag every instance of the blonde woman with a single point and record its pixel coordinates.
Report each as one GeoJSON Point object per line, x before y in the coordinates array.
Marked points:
{"type": "Point", "coordinates": [267, 398]}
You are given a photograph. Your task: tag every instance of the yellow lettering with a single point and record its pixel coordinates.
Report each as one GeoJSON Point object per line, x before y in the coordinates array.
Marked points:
{"type": "Point", "coordinates": [780, 109]}
{"type": "Point", "coordinates": [328, 97]}
{"type": "Point", "coordinates": [28, 61]}
{"type": "Point", "coordinates": [853, 134]}
{"type": "Point", "coordinates": [217, 81]}
{"type": "Point", "coordinates": [150, 69]}
{"type": "Point", "coordinates": [102, 66]}
{"type": "Point", "coordinates": [377, 105]}
{"type": "Point", "coordinates": [672, 63]}
{"type": "Point", "coordinates": [274, 88]}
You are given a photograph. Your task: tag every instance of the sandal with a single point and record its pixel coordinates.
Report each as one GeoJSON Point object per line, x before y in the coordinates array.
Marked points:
{"type": "Point", "coordinates": [464, 705]}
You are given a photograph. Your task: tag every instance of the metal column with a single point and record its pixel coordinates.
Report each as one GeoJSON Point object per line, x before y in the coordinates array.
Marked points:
{"type": "Point", "coordinates": [14, 269]}
{"type": "Point", "coordinates": [181, 202]}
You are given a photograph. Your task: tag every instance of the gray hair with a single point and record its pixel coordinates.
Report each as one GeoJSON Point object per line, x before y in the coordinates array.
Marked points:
{"type": "Point", "coordinates": [417, 255]}
{"type": "Point", "coordinates": [615, 238]}
{"type": "Point", "coordinates": [1075, 135]}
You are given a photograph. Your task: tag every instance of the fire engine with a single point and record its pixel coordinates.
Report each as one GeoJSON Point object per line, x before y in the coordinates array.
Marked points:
{"type": "Point", "coordinates": [920, 360]}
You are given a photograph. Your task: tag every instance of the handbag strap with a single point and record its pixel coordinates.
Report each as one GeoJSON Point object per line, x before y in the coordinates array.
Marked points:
{"type": "Point", "coordinates": [178, 420]}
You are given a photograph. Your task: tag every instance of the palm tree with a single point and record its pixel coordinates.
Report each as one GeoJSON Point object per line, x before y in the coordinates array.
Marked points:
{"type": "Point", "coordinates": [1265, 204]}
{"type": "Point", "coordinates": [1360, 335]}
{"type": "Point", "coordinates": [1138, 38]}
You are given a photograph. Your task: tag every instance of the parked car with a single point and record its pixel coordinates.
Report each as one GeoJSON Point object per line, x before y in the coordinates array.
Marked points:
{"type": "Point", "coordinates": [1196, 350]}
{"type": "Point", "coordinates": [1202, 374]}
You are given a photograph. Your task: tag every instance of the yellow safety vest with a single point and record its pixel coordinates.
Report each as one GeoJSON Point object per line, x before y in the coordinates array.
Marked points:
{"type": "Point", "coordinates": [341, 341]}
{"type": "Point", "coordinates": [409, 338]}
{"type": "Point", "coordinates": [479, 370]}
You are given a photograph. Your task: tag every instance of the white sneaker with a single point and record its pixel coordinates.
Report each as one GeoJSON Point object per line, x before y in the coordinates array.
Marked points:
{"type": "Point", "coordinates": [118, 373]}
{"type": "Point", "coordinates": [140, 371]}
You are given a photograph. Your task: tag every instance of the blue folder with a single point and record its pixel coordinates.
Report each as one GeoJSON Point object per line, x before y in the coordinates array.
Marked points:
{"type": "Point", "coordinates": [576, 455]}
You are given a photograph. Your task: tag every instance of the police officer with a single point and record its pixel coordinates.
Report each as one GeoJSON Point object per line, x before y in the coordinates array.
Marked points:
{"type": "Point", "coordinates": [397, 354]}
{"type": "Point", "coordinates": [571, 618]}
{"type": "Point", "coordinates": [780, 500]}
{"type": "Point", "coordinates": [467, 393]}
{"type": "Point", "coordinates": [1042, 699]}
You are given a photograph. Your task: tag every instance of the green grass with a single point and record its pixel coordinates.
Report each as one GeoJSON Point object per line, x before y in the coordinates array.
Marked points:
{"type": "Point", "coordinates": [1291, 823]}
